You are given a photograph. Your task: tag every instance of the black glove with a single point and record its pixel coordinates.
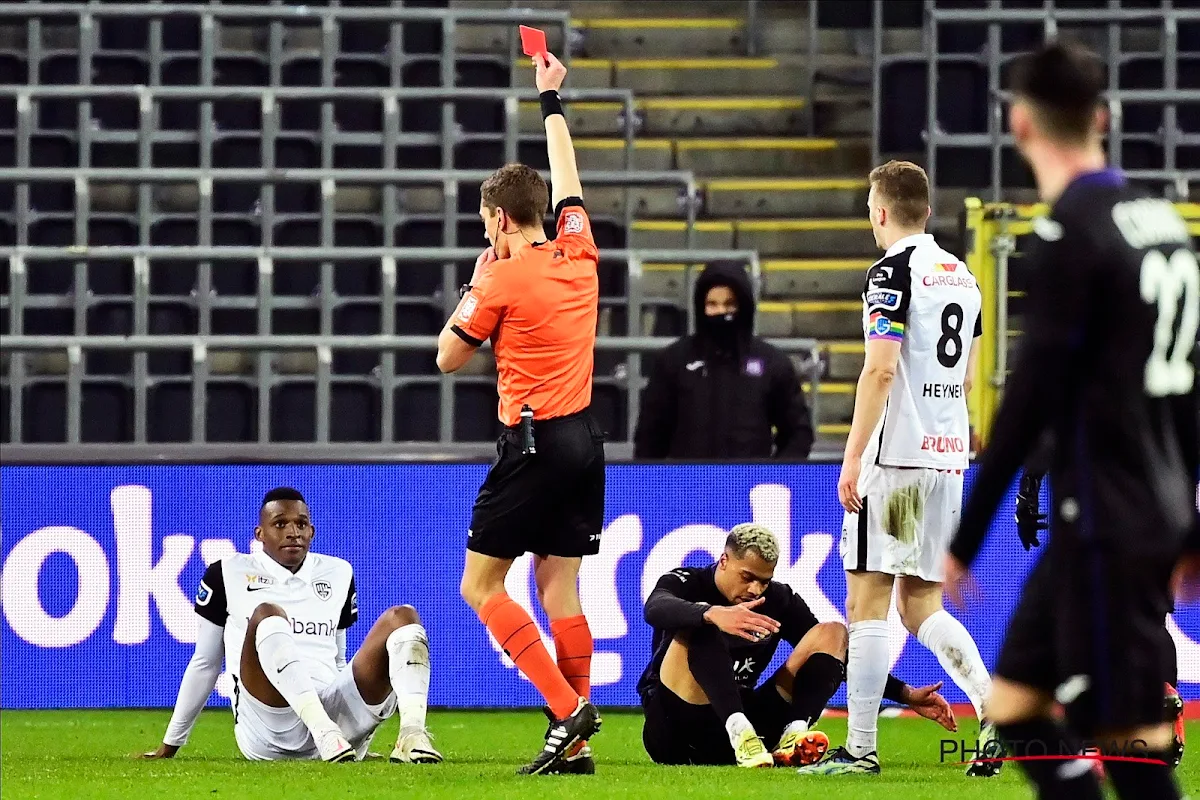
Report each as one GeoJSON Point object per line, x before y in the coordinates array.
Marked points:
{"type": "Point", "coordinates": [1029, 518]}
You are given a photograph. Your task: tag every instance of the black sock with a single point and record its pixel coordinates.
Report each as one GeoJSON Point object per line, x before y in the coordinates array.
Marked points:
{"type": "Point", "coordinates": [816, 681]}
{"type": "Point", "coordinates": [1150, 781]}
{"type": "Point", "coordinates": [1041, 737]}
{"type": "Point", "coordinates": [712, 667]}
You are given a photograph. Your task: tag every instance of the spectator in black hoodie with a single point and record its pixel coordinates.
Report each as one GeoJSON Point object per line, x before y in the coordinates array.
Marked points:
{"type": "Point", "coordinates": [723, 393]}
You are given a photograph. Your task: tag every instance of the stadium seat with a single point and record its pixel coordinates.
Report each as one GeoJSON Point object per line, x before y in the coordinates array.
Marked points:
{"type": "Point", "coordinates": [169, 409]}
{"type": "Point", "coordinates": [181, 33]}
{"type": "Point", "coordinates": [106, 413]}
{"type": "Point", "coordinates": [13, 72]}
{"type": "Point", "coordinates": [49, 424]}
{"type": "Point", "coordinates": [171, 319]}
{"type": "Point", "coordinates": [475, 413]}
{"type": "Point", "coordinates": [417, 320]}
{"type": "Point", "coordinates": [356, 319]}
{"type": "Point", "coordinates": [5, 414]}
{"type": "Point", "coordinates": [413, 421]}
{"type": "Point", "coordinates": [109, 319]}
{"type": "Point", "coordinates": [1142, 73]}
{"type": "Point", "coordinates": [232, 412]}
{"type": "Point", "coordinates": [293, 412]}
{"type": "Point", "coordinates": [354, 413]}
{"type": "Point", "coordinates": [124, 33]}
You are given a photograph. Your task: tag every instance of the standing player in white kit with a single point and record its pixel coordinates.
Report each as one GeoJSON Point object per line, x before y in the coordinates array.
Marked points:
{"type": "Point", "coordinates": [909, 445]}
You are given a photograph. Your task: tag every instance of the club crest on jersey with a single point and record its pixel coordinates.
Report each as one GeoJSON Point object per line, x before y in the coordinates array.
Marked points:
{"type": "Point", "coordinates": [203, 594]}
{"type": "Point", "coordinates": [573, 222]}
{"type": "Point", "coordinates": [754, 367]}
{"type": "Point", "coordinates": [323, 589]}
{"type": "Point", "coordinates": [468, 308]}
{"type": "Point", "coordinates": [254, 582]}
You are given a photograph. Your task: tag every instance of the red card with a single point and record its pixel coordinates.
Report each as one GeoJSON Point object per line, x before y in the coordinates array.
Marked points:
{"type": "Point", "coordinates": [533, 41]}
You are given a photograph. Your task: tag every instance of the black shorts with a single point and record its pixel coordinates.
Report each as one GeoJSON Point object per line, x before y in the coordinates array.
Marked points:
{"type": "Point", "coordinates": [1089, 629]}
{"type": "Point", "coordinates": [677, 732]}
{"type": "Point", "coordinates": [550, 502]}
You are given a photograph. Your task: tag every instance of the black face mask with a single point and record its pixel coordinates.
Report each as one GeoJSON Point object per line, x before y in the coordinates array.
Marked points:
{"type": "Point", "coordinates": [721, 329]}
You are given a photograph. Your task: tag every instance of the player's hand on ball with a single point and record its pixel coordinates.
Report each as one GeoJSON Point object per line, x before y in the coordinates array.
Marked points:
{"type": "Point", "coordinates": [550, 72]}
{"type": "Point", "coordinates": [163, 751]}
{"type": "Point", "coordinates": [848, 485]}
{"type": "Point", "coordinates": [929, 704]}
{"type": "Point", "coordinates": [741, 621]}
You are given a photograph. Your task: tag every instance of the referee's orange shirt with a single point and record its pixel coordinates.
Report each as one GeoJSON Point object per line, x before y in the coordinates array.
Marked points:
{"type": "Point", "coordinates": [539, 308]}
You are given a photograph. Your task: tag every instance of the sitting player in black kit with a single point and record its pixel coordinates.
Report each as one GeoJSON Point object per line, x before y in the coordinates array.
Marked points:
{"type": "Point", "coordinates": [716, 630]}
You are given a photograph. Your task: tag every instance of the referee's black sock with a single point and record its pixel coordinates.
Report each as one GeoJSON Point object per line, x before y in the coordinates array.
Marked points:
{"type": "Point", "coordinates": [817, 679]}
{"type": "Point", "coordinates": [1055, 779]}
{"type": "Point", "coordinates": [1151, 781]}
{"type": "Point", "coordinates": [712, 667]}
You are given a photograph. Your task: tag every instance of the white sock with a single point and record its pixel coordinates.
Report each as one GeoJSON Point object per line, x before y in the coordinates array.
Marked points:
{"type": "Point", "coordinates": [408, 670]}
{"type": "Point", "coordinates": [866, 675]}
{"type": "Point", "coordinates": [956, 651]}
{"type": "Point", "coordinates": [736, 724]}
{"type": "Point", "coordinates": [282, 665]}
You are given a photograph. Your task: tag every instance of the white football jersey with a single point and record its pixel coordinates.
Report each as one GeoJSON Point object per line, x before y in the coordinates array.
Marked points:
{"type": "Point", "coordinates": [925, 298]}
{"type": "Point", "coordinates": [319, 600]}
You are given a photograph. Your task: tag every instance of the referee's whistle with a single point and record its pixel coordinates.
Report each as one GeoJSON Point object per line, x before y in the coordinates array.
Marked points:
{"type": "Point", "coordinates": [527, 444]}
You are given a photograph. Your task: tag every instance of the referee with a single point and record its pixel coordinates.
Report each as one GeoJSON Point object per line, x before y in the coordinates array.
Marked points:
{"type": "Point", "coordinates": [1106, 369]}
{"type": "Point", "coordinates": [537, 300]}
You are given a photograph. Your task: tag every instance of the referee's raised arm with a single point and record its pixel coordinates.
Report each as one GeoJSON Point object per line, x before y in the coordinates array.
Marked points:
{"type": "Point", "coordinates": [564, 172]}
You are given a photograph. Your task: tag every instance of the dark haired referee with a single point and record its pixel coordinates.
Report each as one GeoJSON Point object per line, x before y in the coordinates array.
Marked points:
{"type": "Point", "coordinates": [537, 300]}
{"type": "Point", "coordinates": [1107, 369]}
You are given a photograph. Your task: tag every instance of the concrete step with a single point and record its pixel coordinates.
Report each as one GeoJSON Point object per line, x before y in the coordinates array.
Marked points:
{"type": "Point", "coordinates": [659, 37]}
{"type": "Point", "coordinates": [807, 238]}
{"type": "Point", "coordinates": [784, 197]}
{"type": "Point", "coordinates": [826, 319]}
{"type": "Point", "coordinates": [728, 156]}
{"type": "Point", "coordinates": [814, 238]}
{"type": "Point", "coordinates": [681, 116]}
{"type": "Point", "coordinates": [795, 279]}
{"type": "Point", "coordinates": [674, 76]}
{"type": "Point", "coordinates": [845, 360]}
{"type": "Point", "coordinates": [768, 156]}
{"type": "Point", "coordinates": [608, 154]}
{"type": "Point", "coordinates": [834, 402]}
{"type": "Point", "coordinates": [584, 9]}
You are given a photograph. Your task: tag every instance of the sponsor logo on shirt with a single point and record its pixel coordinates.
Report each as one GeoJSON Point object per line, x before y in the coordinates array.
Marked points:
{"type": "Point", "coordinates": [254, 582]}
{"type": "Point", "coordinates": [945, 267]}
{"type": "Point", "coordinates": [943, 444]}
{"type": "Point", "coordinates": [573, 222]}
{"type": "Point", "coordinates": [754, 367]}
{"type": "Point", "coordinates": [883, 298]}
{"type": "Point", "coordinates": [468, 308]}
{"type": "Point", "coordinates": [322, 589]}
{"type": "Point", "coordinates": [880, 275]}
{"type": "Point", "coordinates": [963, 281]}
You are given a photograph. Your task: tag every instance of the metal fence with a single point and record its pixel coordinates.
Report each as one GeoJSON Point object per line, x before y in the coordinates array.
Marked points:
{"type": "Point", "coordinates": [1166, 18]}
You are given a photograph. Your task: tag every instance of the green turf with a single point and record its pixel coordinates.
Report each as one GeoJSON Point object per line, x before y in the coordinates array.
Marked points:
{"type": "Point", "coordinates": [88, 754]}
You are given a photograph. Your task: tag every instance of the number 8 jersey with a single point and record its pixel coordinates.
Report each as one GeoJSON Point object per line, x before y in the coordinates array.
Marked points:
{"type": "Point", "coordinates": [925, 298]}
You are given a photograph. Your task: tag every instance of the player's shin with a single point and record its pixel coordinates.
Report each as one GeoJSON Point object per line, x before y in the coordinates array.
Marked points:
{"type": "Point", "coordinates": [816, 681]}
{"type": "Point", "coordinates": [408, 672]}
{"type": "Point", "coordinates": [866, 677]}
{"type": "Point", "coordinates": [712, 667]}
{"type": "Point", "coordinates": [946, 638]}
{"type": "Point", "coordinates": [282, 665]}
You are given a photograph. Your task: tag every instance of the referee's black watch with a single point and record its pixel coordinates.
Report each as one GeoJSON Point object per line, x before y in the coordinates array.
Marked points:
{"type": "Point", "coordinates": [462, 290]}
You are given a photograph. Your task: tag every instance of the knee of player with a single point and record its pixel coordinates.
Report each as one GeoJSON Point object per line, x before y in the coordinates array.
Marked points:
{"type": "Point", "coordinates": [400, 616]}
{"type": "Point", "coordinates": [832, 638]}
{"type": "Point", "coordinates": [264, 610]}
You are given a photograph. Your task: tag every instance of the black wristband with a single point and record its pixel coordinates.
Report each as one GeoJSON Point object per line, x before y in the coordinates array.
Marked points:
{"type": "Point", "coordinates": [894, 689]}
{"type": "Point", "coordinates": [551, 103]}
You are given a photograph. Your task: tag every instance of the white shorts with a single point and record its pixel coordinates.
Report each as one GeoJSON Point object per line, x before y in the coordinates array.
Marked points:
{"type": "Point", "coordinates": [908, 519]}
{"type": "Point", "coordinates": [265, 733]}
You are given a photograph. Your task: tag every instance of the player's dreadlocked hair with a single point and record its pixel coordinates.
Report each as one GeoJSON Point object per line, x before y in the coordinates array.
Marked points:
{"type": "Point", "coordinates": [1063, 83]}
{"type": "Point", "coordinates": [282, 493]}
{"type": "Point", "coordinates": [750, 536]}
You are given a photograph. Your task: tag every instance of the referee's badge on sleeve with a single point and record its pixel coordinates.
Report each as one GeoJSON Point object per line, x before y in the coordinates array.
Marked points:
{"type": "Point", "coordinates": [573, 223]}
{"type": "Point", "coordinates": [468, 307]}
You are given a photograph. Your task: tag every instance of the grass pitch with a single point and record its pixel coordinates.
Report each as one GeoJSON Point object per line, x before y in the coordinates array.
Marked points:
{"type": "Point", "coordinates": [88, 754]}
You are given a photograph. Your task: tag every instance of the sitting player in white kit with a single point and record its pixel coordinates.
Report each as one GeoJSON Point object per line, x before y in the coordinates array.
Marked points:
{"type": "Point", "coordinates": [281, 615]}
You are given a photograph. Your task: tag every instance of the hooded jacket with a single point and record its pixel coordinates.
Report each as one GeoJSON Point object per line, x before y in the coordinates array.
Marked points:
{"type": "Point", "coordinates": [718, 393]}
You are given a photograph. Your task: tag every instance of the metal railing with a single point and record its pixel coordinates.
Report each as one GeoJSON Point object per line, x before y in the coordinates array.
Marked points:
{"type": "Point", "coordinates": [386, 378]}
{"type": "Point", "coordinates": [992, 58]}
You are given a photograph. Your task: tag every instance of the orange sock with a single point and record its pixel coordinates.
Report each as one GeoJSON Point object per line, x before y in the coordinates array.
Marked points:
{"type": "Point", "coordinates": [517, 634]}
{"type": "Point", "coordinates": [573, 643]}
